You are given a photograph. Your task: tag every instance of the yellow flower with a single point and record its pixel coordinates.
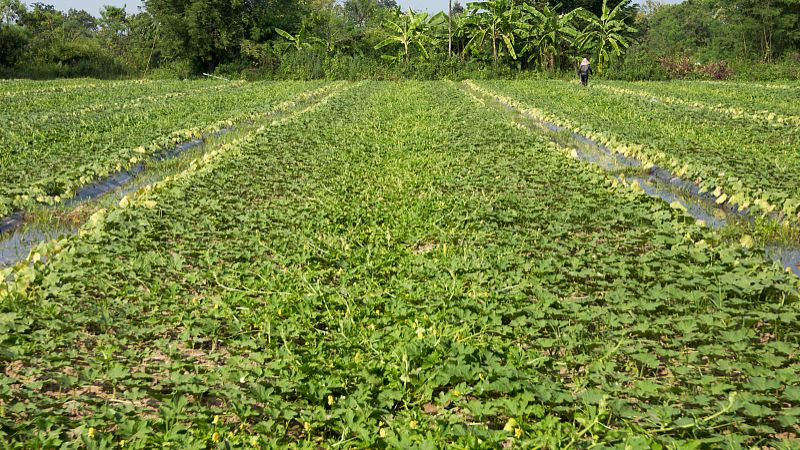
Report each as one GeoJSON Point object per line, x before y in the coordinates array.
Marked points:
{"type": "Point", "coordinates": [306, 426]}
{"type": "Point", "coordinates": [330, 400]}
{"type": "Point", "coordinates": [91, 432]}
{"type": "Point", "coordinates": [518, 432]}
{"type": "Point", "coordinates": [413, 424]}
{"type": "Point", "coordinates": [216, 420]}
{"type": "Point", "coordinates": [382, 432]}
{"type": "Point", "coordinates": [510, 425]}
{"type": "Point", "coordinates": [215, 437]}
{"type": "Point", "coordinates": [254, 441]}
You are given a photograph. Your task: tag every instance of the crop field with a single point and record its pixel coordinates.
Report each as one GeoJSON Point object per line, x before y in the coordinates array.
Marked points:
{"type": "Point", "coordinates": [85, 132]}
{"type": "Point", "coordinates": [399, 264]}
{"type": "Point", "coordinates": [752, 156]}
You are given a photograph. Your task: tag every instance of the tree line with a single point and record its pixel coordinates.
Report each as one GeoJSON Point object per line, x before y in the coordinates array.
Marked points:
{"type": "Point", "coordinates": [377, 38]}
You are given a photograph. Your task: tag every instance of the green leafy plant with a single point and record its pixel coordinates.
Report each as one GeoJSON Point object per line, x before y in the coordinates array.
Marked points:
{"type": "Point", "coordinates": [401, 265]}
{"type": "Point", "coordinates": [493, 21]}
{"type": "Point", "coordinates": [605, 35]}
{"type": "Point", "coordinates": [545, 32]}
{"type": "Point", "coordinates": [104, 127]}
{"type": "Point", "coordinates": [410, 30]}
{"type": "Point", "coordinates": [299, 42]}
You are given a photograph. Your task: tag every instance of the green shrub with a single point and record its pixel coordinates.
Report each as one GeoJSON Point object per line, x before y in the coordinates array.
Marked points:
{"type": "Point", "coordinates": [13, 40]}
{"type": "Point", "coordinates": [172, 70]}
{"type": "Point", "coordinates": [637, 65]}
{"type": "Point", "coordinates": [788, 68]}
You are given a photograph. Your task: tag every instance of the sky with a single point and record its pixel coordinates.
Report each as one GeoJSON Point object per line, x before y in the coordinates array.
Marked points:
{"type": "Point", "coordinates": [441, 5]}
{"type": "Point", "coordinates": [93, 6]}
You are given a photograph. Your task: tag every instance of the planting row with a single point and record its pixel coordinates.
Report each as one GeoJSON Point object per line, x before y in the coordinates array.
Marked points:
{"type": "Point", "coordinates": [777, 109]}
{"type": "Point", "coordinates": [400, 266]}
{"type": "Point", "coordinates": [47, 158]}
{"type": "Point", "coordinates": [12, 88]}
{"type": "Point", "coordinates": [743, 161]}
{"type": "Point", "coordinates": [37, 109]}
{"type": "Point", "coordinates": [746, 98]}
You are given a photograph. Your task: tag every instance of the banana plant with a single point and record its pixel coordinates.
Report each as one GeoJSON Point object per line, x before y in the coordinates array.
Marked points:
{"type": "Point", "coordinates": [409, 30]}
{"type": "Point", "coordinates": [546, 31]}
{"type": "Point", "coordinates": [461, 33]}
{"type": "Point", "coordinates": [605, 35]}
{"type": "Point", "coordinates": [494, 20]}
{"type": "Point", "coordinates": [299, 42]}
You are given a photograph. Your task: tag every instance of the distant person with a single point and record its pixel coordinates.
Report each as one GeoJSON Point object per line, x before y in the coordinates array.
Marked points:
{"type": "Point", "coordinates": [584, 70]}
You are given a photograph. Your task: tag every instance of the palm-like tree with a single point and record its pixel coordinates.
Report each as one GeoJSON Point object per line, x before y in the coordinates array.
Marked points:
{"type": "Point", "coordinates": [410, 29]}
{"type": "Point", "coordinates": [299, 42]}
{"type": "Point", "coordinates": [494, 20]}
{"type": "Point", "coordinates": [606, 34]}
{"type": "Point", "coordinates": [545, 32]}
{"type": "Point", "coordinates": [450, 28]}
{"type": "Point", "coordinates": [461, 30]}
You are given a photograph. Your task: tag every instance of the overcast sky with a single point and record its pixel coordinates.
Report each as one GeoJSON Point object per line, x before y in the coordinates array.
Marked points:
{"type": "Point", "coordinates": [93, 6]}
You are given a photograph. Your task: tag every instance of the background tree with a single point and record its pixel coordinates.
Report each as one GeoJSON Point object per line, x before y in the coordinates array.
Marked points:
{"type": "Point", "coordinates": [327, 23]}
{"type": "Point", "coordinates": [298, 42]}
{"type": "Point", "coordinates": [361, 12]}
{"type": "Point", "coordinates": [13, 37]}
{"type": "Point", "coordinates": [142, 51]}
{"type": "Point", "coordinates": [364, 35]}
{"type": "Point", "coordinates": [210, 32]}
{"type": "Point", "coordinates": [410, 30]}
{"type": "Point", "coordinates": [114, 29]}
{"type": "Point", "coordinates": [348, 38]}
{"type": "Point", "coordinates": [765, 15]}
{"type": "Point", "coordinates": [546, 32]}
{"type": "Point", "coordinates": [707, 30]}
{"type": "Point", "coordinates": [605, 35]}
{"type": "Point", "coordinates": [452, 10]}
{"type": "Point", "coordinates": [595, 7]}
{"type": "Point", "coordinates": [450, 28]}
{"type": "Point", "coordinates": [496, 21]}
{"type": "Point", "coordinates": [11, 11]}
